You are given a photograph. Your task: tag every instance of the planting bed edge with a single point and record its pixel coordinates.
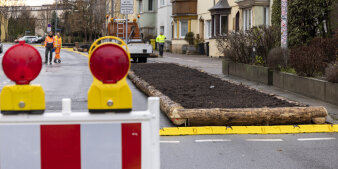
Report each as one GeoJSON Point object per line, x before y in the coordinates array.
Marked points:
{"type": "Point", "coordinates": [228, 117]}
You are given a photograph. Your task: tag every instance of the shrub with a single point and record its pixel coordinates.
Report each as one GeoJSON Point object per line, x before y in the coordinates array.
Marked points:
{"type": "Point", "coordinates": [327, 47]}
{"type": "Point", "coordinates": [190, 38]}
{"type": "Point", "coordinates": [278, 58]}
{"type": "Point", "coordinates": [314, 58]}
{"type": "Point", "coordinates": [332, 73]}
{"type": "Point", "coordinates": [264, 39]}
{"type": "Point", "coordinates": [238, 46]}
{"type": "Point", "coordinates": [307, 60]}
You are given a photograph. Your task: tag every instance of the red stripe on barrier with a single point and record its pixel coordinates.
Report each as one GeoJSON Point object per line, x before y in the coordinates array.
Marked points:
{"type": "Point", "coordinates": [131, 146]}
{"type": "Point", "coordinates": [60, 147]}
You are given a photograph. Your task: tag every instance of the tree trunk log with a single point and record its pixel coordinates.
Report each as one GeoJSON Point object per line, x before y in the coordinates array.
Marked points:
{"type": "Point", "coordinates": [254, 116]}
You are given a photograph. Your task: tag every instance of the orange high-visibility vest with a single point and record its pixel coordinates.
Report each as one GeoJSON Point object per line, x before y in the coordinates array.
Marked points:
{"type": "Point", "coordinates": [50, 40]}
{"type": "Point", "coordinates": [58, 41]}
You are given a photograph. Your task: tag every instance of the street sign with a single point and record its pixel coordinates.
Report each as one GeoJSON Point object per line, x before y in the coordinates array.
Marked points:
{"type": "Point", "coordinates": [49, 27]}
{"type": "Point", "coordinates": [127, 6]}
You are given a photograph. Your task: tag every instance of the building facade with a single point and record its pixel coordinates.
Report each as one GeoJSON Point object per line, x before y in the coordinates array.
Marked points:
{"type": "Point", "coordinates": [225, 18]}
{"type": "Point", "coordinates": [147, 10]}
{"type": "Point", "coordinates": [113, 11]}
{"type": "Point", "coordinates": [233, 15]}
{"type": "Point", "coordinates": [184, 16]}
{"type": "Point", "coordinates": [164, 21]}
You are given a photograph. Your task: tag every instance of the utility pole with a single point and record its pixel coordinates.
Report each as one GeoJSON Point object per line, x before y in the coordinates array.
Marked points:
{"type": "Point", "coordinates": [284, 23]}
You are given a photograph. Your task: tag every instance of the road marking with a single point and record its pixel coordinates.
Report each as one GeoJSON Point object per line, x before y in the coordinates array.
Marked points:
{"type": "Point", "coordinates": [170, 142]}
{"type": "Point", "coordinates": [212, 140]}
{"type": "Point", "coordinates": [263, 140]}
{"type": "Point", "coordinates": [315, 139]}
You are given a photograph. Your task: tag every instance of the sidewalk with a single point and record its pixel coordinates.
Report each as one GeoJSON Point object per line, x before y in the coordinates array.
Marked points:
{"type": "Point", "coordinates": [214, 66]}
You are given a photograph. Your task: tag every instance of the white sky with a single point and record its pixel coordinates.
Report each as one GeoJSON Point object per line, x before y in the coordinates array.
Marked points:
{"type": "Point", "coordinates": [38, 2]}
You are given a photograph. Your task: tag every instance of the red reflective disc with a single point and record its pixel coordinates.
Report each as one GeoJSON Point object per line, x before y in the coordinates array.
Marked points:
{"type": "Point", "coordinates": [22, 63]}
{"type": "Point", "coordinates": [109, 63]}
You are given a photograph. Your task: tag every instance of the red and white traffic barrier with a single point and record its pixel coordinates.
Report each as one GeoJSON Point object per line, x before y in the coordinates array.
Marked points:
{"type": "Point", "coordinates": [72, 140]}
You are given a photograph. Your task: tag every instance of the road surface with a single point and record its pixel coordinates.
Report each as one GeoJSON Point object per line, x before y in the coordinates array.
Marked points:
{"type": "Point", "coordinates": [72, 78]}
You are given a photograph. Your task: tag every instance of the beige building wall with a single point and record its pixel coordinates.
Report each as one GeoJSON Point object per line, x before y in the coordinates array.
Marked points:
{"type": "Point", "coordinates": [203, 13]}
{"type": "Point", "coordinates": [177, 45]}
{"type": "Point", "coordinates": [194, 26]}
{"type": "Point", "coordinates": [203, 7]}
{"type": "Point", "coordinates": [178, 42]}
{"type": "Point", "coordinates": [213, 49]}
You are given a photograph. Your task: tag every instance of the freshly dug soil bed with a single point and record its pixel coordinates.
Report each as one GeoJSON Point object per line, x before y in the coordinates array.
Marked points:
{"type": "Point", "coordinates": [194, 89]}
{"type": "Point", "coordinates": [208, 100]}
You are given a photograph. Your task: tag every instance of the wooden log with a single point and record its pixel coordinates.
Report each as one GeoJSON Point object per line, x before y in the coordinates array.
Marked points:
{"type": "Point", "coordinates": [319, 120]}
{"type": "Point", "coordinates": [254, 116]}
{"type": "Point", "coordinates": [168, 106]}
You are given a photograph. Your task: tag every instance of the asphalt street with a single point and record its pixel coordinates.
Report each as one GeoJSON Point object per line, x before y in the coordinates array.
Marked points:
{"type": "Point", "coordinates": [72, 78]}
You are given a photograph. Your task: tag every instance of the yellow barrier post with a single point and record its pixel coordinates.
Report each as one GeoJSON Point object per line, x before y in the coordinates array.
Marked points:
{"type": "Point", "coordinates": [22, 63]}
{"type": "Point", "coordinates": [109, 62]}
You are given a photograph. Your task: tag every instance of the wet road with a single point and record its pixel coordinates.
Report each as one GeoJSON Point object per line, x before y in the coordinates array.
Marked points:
{"type": "Point", "coordinates": [72, 78]}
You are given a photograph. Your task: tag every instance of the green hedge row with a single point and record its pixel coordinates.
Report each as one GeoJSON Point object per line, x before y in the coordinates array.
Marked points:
{"type": "Point", "coordinates": [306, 19]}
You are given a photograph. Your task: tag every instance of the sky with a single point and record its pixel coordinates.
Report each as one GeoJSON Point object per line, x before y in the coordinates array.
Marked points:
{"type": "Point", "coordinates": [38, 2]}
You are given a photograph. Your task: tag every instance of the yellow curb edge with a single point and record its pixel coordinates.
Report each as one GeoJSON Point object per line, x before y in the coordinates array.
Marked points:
{"type": "Point", "coordinates": [71, 50]}
{"type": "Point", "coordinates": [283, 129]}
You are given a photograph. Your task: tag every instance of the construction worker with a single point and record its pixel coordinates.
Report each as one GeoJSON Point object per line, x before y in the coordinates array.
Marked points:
{"type": "Point", "coordinates": [161, 40]}
{"type": "Point", "coordinates": [49, 45]}
{"type": "Point", "coordinates": [58, 41]}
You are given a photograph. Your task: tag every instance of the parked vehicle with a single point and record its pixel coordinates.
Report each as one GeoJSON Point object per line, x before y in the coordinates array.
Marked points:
{"type": "Point", "coordinates": [27, 39]}
{"type": "Point", "coordinates": [38, 40]}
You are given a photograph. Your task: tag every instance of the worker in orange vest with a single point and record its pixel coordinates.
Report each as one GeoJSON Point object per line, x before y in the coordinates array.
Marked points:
{"type": "Point", "coordinates": [58, 41]}
{"type": "Point", "coordinates": [49, 45]}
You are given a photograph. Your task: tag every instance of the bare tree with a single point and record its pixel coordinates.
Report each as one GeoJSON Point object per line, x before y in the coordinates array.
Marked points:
{"type": "Point", "coordinates": [7, 10]}
{"type": "Point", "coordinates": [85, 20]}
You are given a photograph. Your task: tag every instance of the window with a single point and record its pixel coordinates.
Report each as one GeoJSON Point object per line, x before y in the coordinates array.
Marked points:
{"type": "Point", "coordinates": [224, 24]}
{"type": "Point", "coordinates": [162, 29]}
{"type": "Point", "coordinates": [215, 33]}
{"type": "Point", "coordinates": [150, 5]}
{"type": "Point", "coordinates": [183, 28]}
{"type": "Point", "coordinates": [237, 22]}
{"type": "Point", "coordinates": [207, 29]}
{"type": "Point", "coordinates": [247, 14]}
{"type": "Point", "coordinates": [151, 31]}
{"type": "Point", "coordinates": [162, 3]}
{"type": "Point", "coordinates": [266, 16]}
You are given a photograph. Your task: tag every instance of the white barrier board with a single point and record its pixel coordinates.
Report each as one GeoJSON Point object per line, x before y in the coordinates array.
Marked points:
{"type": "Point", "coordinates": [80, 140]}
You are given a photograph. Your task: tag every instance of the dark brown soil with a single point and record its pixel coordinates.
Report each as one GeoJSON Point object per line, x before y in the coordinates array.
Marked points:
{"type": "Point", "coordinates": [194, 89]}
